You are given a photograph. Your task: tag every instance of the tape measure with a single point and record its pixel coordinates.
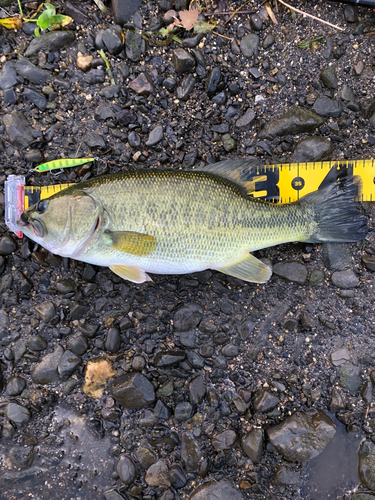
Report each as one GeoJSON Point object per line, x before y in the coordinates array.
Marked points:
{"type": "Point", "coordinates": [284, 183]}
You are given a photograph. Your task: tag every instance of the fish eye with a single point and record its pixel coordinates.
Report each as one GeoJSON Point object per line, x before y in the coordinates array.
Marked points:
{"type": "Point", "coordinates": [42, 206]}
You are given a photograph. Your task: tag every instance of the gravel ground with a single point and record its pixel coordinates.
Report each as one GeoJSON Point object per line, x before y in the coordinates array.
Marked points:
{"type": "Point", "coordinates": [199, 386]}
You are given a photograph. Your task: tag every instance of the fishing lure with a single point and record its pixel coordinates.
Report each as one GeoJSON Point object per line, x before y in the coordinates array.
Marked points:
{"type": "Point", "coordinates": [62, 163]}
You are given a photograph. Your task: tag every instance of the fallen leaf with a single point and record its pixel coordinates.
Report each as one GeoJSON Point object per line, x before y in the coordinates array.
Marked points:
{"type": "Point", "coordinates": [204, 26]}
{"type": "Point", "coordinates": [98, 371]}
{"type": "Point", "coordinates": [270, 13]}
{"type": "Point", "coordinates": [188, 18]}
{"type": "Point", "coordinates": [11, 23]}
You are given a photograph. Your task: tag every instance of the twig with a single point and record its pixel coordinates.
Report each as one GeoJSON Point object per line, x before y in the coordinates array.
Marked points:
{"type": "Point", "coordinates": [210, 14]}
{"type": "Point", "coordinates": [235, 12]}
{"type": "Point", "coordinates": [310, 15]}
{"type": "Point", "coordinates": [222, 36]}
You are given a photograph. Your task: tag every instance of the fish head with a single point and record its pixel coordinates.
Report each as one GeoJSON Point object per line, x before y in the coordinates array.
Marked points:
{"type": "Point", "coordinates": [64, 224]}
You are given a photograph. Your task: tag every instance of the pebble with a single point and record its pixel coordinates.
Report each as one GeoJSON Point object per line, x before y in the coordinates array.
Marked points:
{"type": "Point", "coordinates": [177, 476]}
{"type": "Point", "coordinates": [216, 490]}
{"type": "Point", "coordinates": [158, 474]}
{"type": "Point", "coordinates": [186, 88]}
{"type": "Point", "coordinates": [113, 340]}
{"type": "Point", "coordinates": [8, 76]}
{"type": "Point", "coordinates": [336, 256]}
{"type": "Point", "coordinates": [351, 13]}
{"type": "Point", "coordinates": [145, 456]}
{"type": "Point", "coordinates": [187, 317]}
{"type": "Point", "coordinates": [229, 143]}
{"type": "Point", "coordinates": [183, 411]}
{"type": "Point", "coordinates": [18, 129]}
{"type": "Point", "coordinates": [66, 286]}
{"type": "Point", "coordinates": [68, 364]}
{"type": "Point", "coordinates": [285, 476]}
{"type": "Point", "coordinates": [46, 372]}
{"type": "Point", "coordinates": [303, 435]}
{"type": "Point", "coordinates": [345, 279]}
{"type": "Point", "coordinates": [340, 356]}
{"type": "Point", "coordinates": [369, 262]}
{"type": "Point", "coordinates": [103, 113]}
{"type": "Point", "coordinates": [296, 120]}
{"type": "Point", "coordinates": [269, 41]}
{"type": "Point", "coordinates": [366, 392]}
{"type": "Point", "coordinates": [10, 97]}
{"type": "Point", "coordinates": [168, 358]}
{"type": "Point", "coordinates": [7, 245]}
{"type": "Point", "coordinates": [36, 98]}
{"type": "Point", "coordinates": [98, 371]}
{"type": "Point", "coordinates": [249, 45]}
{"type": "Point", "coordinates": [329, 77]}
{"type": "Point", "coordinates": [156, 135]}
{"type": "Point", "coordinates": [17, 414]}
{"type": "Point", "coordinates": [252, 444]}
{"type": "Point", "coordinates": [15, 386]}
{"type": "Point", "coordinates": [256, 22]}
{"type": "Point", "coordinates": [350, 378]}
{"type": "Point", "coordinates": [112, 40]}
{"type": "Point", "coordinates": [246, 120]}
{"type": "Point", "coordinates": [224, 440]}
{"type": "Point", "coordinates": [134, 46]}
{"type": "Point", "coordinates": [32, 73]}
{"type": "Point", "coordinates": [94, 76]}
{"type": "Point", "coordinates": [213, 80]}
{"type": "Point", "coordinates": [46, 311]}
{"type": "Point", "coordinates": [94, 141]}
{"type": "Point", "coordinates": [265, 400]}
{"type": "Point", "coordinates": [337, 401]}
{"type": "Point", "coordinates": [142, 84]}
{"type": "Point", "coordinates": [133, 390]}
{"type": "Point", "coordinates": [191, 454]}
{"type": "Point", "coordinates": [291, 271]}
{"type": "Point", "coordinates": [134, 139]}
{"type": "Point", "coordinates": [316, 277]}
{"type": "Point", "coordinates": [366, 467]}
{"type": "Point", "coordinates": [182, 61]}
{"type": "Point", "coordinates": [21, 457]}
{"type": "Point", "coordinates": [314, 148]}
{"type": "Point", "coordinates": [50, 42]}
{"type": "Point", "coordinates": [329, 108]}
{"type": "Point", "coordinates": [126, 469]}
{"type": "Point", "coordinates": [37, 343]}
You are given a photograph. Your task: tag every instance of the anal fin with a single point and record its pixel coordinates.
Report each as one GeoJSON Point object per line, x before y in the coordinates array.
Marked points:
{"type": "Point", "coordinates": [249, 268]}
{"type": "Point", "coordinates": [130, 273]}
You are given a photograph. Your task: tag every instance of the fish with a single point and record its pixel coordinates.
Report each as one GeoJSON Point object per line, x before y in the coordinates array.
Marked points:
{"type": "Point", "coordinates": [182, 221]}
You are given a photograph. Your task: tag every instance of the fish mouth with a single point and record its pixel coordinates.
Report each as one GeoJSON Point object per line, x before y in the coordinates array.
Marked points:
{"type": "Point", "coordinates": [37, 227]}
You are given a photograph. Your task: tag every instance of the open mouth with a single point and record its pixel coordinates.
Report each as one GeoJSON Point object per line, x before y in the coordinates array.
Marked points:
{"type": "Point", "coordinates": [35, 225]}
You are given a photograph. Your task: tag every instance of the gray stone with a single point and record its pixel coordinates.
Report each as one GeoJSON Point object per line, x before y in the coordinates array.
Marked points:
{"type": "Point", "coordinates": [246, 120]}
{"type": "Point", "coordinates": [145, 456]}
{"type": "Point", "coordinates": [329, 108]}
{"type": "Point", "coordinates": [68, 363]}
{"type": "Point", "coordinates": [134, 139]}
{"type": "Point", "coordinates": [50, 42]}
{"type": "Point", "coordinates": [363, 496]}
{"type": "Point", "coordinates": [103, 112]}
{"type": "Point", "coordinates": [213, 80]}
{"type": "Point", "coordinates": [350, 378]}
{"type": "Point", "coordinates": [37, 343]}
{"type": "Point", "coordinates": [351, 13]}
{"type": "Point", "coordinates": [186, 88]}
{"type": "Point", "coordinates": [366, 391]}
{"type": "Point", "coordinates": [46, 372]}
{"type": "Point", "coordinates": [123, 10]}
{"type": "Point", "coordinates": [286, 477]}
{"type": "Point", "coordinates": [134, 46]}
{"type": "Point", "coordinates": [303, 435]}
{"type": "Point", "coordinates": [8, 76]}
{"type": "Point", "coordinates": [337, 401]}
{"type": "Point", "coordinates": [187, 317]}
{"type": "Point", "coordinates": [183, 411]}
{"type": "Point", "coordinates": [156, 135]}
{"type": "Point", "coordinates": [366, 468]}
{"type": "Point", "coordinates": [133, 391]}
{"type": "Point", "coordinates": [168, 358]}
{"type": "Point", "coordinates": [113, 340]}
{"type": "Point", "coordinates": [15, 386]}
{"type": "Point", "coordinates": [369, 262]}
{"type": "Point", "coordinates": [329, 77]}
{"type": "Point", "coordinates": [36, 98]}
{"type": "Point", "coordinates": [7, 245]}
{"type": "Point", "coordinates": [46, 311]}
{"type": "Point", "coordinates": [264, 400]}
{"type": "Point", "coordinates": [21, 457]}
{"type": "Point", "coordinates": [32, 73]}
{"type": "Point", "coordinates": [252, 444]}
{"type": "Point", "coordinates": [313, 148]}
{"type": "Point", "coordinates": [126, 469]}
{"type": "Point", "coordinates": [18, 129]}
{"type": "Point", "coordinates": [78, 344]}
{"type": "Point", "coordinates": [340, 356]}
{"type": "Point", "coordinates": [216, 490]}
{"type": "Point", "coordinates": [336, 256]}
{"type": "Point", "coordinates": [182, 61]}
{"type": "Point", "coordinates": [112, 40]}
{"type": "Point", "coordinates": [249, 45]}
{"type": "Point", "coordinates": [347, 94]}
{"type": "Point", "coordinates": [224, 440]}
{"type": "Point", "coordinates": [296, 120]}
{"type": "Point", "coordinates": [66, 285]}
{"type": "Point", "coordinates": [316, 277]}
{"type": "Point", "coordinates": [94, 141]}
{"type": "Point", "coordinates": [229, 143]}
{"type": "Point", "coordinates": [191, 454]}
{"type": "Point", "coordinates": [256, 22]}
{"type": "Point", "coordinates": [291, 271]}
{"type": "Point", "coordinates": [158, 474]}
{"type": "Point", "coordinates": [142, 84]}
{"type": "Point", "coordinates": [187, 339]}
{"type": "Point", "coordinates": [345, 279]}
{"type": "Point", "coordinates": [269, 40]}
{"type": "Point", "coordinates": [94, 76]}
{"type": "Point", "coordinates": [17, 414]}
{"type": "Point", "coordinates": [177, 476]}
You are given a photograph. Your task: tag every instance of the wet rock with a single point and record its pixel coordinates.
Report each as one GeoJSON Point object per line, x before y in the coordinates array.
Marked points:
{"type": "Point", "coordinates": [17, 414]}
{"type": "Point", "coordinates": [10, 97]}
{"type": "Point", "coordinates": [296, 120]}
{"type": "Point", "coordinates": [336, 256]}
{"type": "Point", "coordinates": [46, 311]}
{"type": "Point", "coordinates": [15, 386]}
{"type": "Point", "coordinates": [182, 61]}
{"type": "Point", "coordinates": [94, 76]}
{"type": "Point", "coordinates": [112, 40]}
{"type": "Point", "coordinates": [291, 271]}
{"type": "Point", "coordinates": [329, 108]}
{"type": "Point", "coordinates": [37, 343]}
{"type": "Point", "coordinates": [337, 401]}
{"type": "Point", "coordinates": [249, 45]}
{"type": "Point", "coordinates": [7, 245]}
{"type": "Point", "coordinates": [94, 141]}
{"type": "Point", "coordinates": [186, 88]}
{"type": "Point", "coordinates": [246, 120]}
{"type": "Point", "coordinates": [126, 469]}
{"type": "Point", "coordinates": [269, 41]}
{"type": "Point", "coordinates": [168, 358]}
{"type": "Point", "coordinates": [125, 117]}
{"type": "Point", "coordinates": [177, 476]}
{"type": "Point", "coordinates": [213, 80]}
{"type": "Point", "coordinates": [46, 371]}
{"type": "Point", "coordinates": [351, 13]}
{"type": "Point", "coordinates": [8, 76]}
{"type": "Point", "coordinates": [113, 340]}
{"type": "Point", "coordinates": [264, 400]}
{"type": "Point", "coordinates": [50, 42]}
{"type": "Point", "coordinates": [183, 411]}
{"type": "Point", "coordinates": [156, 135]}
{"type": "Point", "coordinates": [347, 94]}
{"type": "Point", "coordinates": [187, 317]}
{"type": "Point", "coordinates": [366, 468]}
{"type": "Point", "coordinates": [32, 73]}
{"type": "Point", "coordinates": [369, 262]}
{"type": "Point", "coordinates": [145, 456]}
{"type": "Point", "coordinates": [133, 391]}
{"type": "Point", "coordinates": [98, 371]}
{"type": "Point", "coordinates": [18, 129]}
{"type": "Point", "coordinates": [216, 490]}
{"type": "Point", "coordinates": [134, 46]}
{"type": "Point", "coordinates": [134, 140]}
{"type": "Point", "coordinates": [350, 377]}
{"type": "Point", "coordinates": [66, 286]}
{"type": "Point", "coordinates": [36, 98]}
{"type": "Point", "coordinates": [340, 357]}
{"type": "Point", "coordinates": [123, 10]}
{"type": "Point", "coordinates": [313, 148]}
{"type": "Point", "coordinates": [142, 84]}
{"type": "Point", "coordinates": [229, 143]}
{"type": "Point", "coordinates": [329, 77]}
{"type": "Point", "coordinates": [367, 107]}
{"type": "Point", "coordinates": [316, 277]}
{"type": "Point", "coordinates": [191, 455]}
{"type": "Point", "coordinates": [68, 363]}
{"type": "Point", "coordinates": [345, 279]}
{"type": "Point", "coordinates": [366, 391]}
{"type": "Point", "coordinates": [303, 435]}
{"type": "Point", "coordinates": [285, 477]}
{"type": "Point", "coordinates": [103, 113]}
{"type": "Point", "coordinates": [256, 22]}
{"type": "Point", "coordinates": [224, 441]}
{"type": "Point", "coordinates": [252, 444]}
{"type": "Point", "coordinates": [158, 474]}
{"type": "Point", "coordinates": [21, 457]}
{"type": "Point", "coordinates": [197, 389]}
{"type": "Point", "coordinates": [363, 496]}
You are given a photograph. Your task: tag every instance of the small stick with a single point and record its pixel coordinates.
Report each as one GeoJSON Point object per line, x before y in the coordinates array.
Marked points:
{"type": "Point", "coordinates": [310, 15]}
{"type": "Point", "coordinates": [210, 14]}
{"type": "Point", "coordinates": [222, 36]}
{"type": "Point", "coordinates": [235, 12]}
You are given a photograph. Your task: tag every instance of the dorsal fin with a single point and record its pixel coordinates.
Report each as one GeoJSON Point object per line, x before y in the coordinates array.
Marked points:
{"type": "Point", "coordinates": [241, 172]}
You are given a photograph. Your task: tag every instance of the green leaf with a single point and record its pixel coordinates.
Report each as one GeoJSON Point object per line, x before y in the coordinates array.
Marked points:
{"type": "Point", "coordinates": [57, 19]}
{"type": "Point", "coordinates": [37, 32]}
{"type": "Point", "coordinates": [44, 20]}
{"type": "Point", "coordinates": [204, 26]}
{"type": "Point", "coordinates": [51, 7]}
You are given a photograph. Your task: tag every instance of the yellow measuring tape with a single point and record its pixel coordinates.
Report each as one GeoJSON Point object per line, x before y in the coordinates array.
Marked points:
{"type": "Point", "coordinates": [282, 183]}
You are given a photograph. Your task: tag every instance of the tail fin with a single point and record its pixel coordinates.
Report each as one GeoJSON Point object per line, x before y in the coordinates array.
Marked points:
{"type": "Point", "coordinates": [336, 213]}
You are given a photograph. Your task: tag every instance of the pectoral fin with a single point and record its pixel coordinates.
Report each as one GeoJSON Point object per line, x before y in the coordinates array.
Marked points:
{"type": "Point", "coordinates": [131, 242]}
{"type": "Point", "coordinates": [129, 273]}
{"type": "Point", "coordinates": [249, 268]}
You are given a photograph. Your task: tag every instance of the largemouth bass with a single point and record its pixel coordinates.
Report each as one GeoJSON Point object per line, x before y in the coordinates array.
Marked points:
{"type": "Point", "coordinates": [176, 222]}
